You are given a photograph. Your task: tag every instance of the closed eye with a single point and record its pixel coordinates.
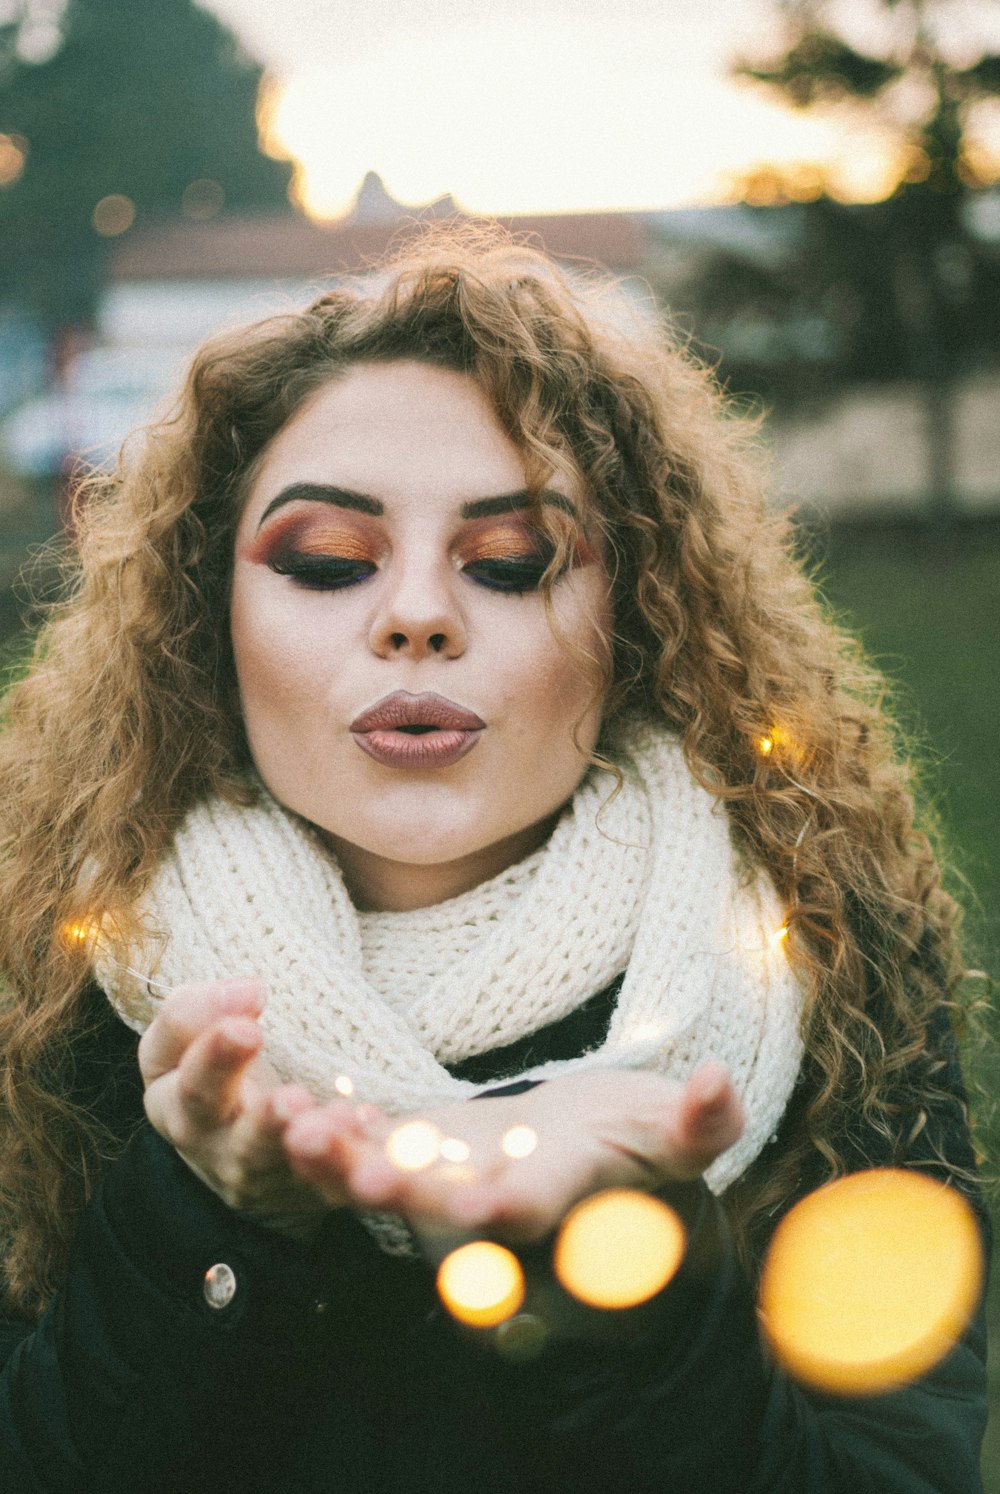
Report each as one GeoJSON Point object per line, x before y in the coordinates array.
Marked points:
{"type": "Point", "coordinates": [322, 572]}
{"type": "Point", "coordinates": [516, 574]}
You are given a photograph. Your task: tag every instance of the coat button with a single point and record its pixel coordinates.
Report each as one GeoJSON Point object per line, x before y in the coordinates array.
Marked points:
{"type": "Point", "coordinates": [219, 1287]}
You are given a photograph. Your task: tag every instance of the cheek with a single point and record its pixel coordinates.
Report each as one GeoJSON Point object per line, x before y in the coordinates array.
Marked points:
{"type": "Point", "coordinates": [276, 656]}
{"type": "Point", "coordinates": [579, 662]}
{"type": "Point", "coordinates": [553, 679]}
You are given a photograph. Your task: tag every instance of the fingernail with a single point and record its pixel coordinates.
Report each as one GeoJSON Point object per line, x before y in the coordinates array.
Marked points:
{"type": "Point", "coordinates": [240, 994]}
{"type": "Point", "coordinates": [237, 1036]}
{"type": "Point", "coordinates": [714, 1087]}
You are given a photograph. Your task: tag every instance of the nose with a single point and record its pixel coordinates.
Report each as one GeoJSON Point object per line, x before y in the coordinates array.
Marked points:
{"type": "Point", "coordinates": [419, 613]}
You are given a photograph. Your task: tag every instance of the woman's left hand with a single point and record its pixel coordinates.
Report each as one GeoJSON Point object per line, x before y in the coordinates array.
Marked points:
{"type": "Point", "coordinates": [593, 1130]}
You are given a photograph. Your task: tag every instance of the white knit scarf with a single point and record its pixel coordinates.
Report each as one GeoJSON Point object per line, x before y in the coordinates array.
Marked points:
{"type": "Point", "coordinates": [648, 883]}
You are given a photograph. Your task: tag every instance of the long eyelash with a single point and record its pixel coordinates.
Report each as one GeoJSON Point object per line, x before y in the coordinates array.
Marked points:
{"type": "Point", "coordinates": [511, 575]}
{"type": "Point", "coordinates": [322, 572]}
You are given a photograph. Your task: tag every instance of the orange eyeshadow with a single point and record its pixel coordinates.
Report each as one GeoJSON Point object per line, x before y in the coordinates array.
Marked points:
{"type": "Point", "coordinates": [308, 534]}
{"type": "Point", "coordinates": [502, 542]}
{"type": "Point", "coordinates": [511, 540]}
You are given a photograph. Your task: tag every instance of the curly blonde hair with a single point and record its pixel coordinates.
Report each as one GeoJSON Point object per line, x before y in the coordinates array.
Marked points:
{"type": "Point", "coordinates": [128, 715]}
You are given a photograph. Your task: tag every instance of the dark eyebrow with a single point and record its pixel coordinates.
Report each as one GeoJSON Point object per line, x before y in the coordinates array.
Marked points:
{"type": "Point", "coordinates": [318, 492]}
{"type": "Point", "coordinates": [506, 503]}
{"type": "Point", "coordinates": [478, 508]}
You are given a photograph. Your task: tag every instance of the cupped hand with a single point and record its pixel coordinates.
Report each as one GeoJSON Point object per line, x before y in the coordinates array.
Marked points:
{"type": "Point", "coordinates": [216, 1099]}
{"type": "Point", "coordinates": [594, 1129]}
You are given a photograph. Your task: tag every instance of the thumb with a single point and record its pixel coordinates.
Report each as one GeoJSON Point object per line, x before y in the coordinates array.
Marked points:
{"type": "Point", "coordinates": [711, 1117]}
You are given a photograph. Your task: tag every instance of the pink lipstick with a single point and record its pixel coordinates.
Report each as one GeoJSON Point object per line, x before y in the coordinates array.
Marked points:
{"type": "Point", "coordinates": [416, 731]}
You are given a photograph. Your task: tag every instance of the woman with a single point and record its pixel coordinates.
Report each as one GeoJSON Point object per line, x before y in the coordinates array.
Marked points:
{"type": "Point", "coordinates": [438, 714]}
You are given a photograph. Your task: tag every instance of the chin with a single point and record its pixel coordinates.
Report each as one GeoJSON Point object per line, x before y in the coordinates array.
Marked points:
{"type": "Point", "coordinates": [428, 851]}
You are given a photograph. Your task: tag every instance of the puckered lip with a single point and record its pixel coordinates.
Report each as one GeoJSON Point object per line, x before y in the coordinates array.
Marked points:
{"type": "Point", "coordinates": [401, 709]}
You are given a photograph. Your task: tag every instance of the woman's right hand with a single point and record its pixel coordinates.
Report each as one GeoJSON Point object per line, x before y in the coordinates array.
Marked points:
{"type": "Point", "coordinates": [220, 1104]}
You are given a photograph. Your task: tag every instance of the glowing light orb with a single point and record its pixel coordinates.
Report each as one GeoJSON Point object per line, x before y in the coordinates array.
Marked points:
{"type": "Point", "coordinates": [113, 215]}
{"type": "Point", "coordinates": [780, 741]}
{"type": "Point", "coordinates": [780, 935]}
{"type": "Point", "coordinates": [454, 1150]}
{"type": "Point", "coordinates": [481, 1284]}
{"type": "Point", "coordinates": [202, 199]}
{"type": "Point", "coordinates": [414, 1146]}
{"type": "Point", "coordinates": [618, 1248]}
{"type": "Point", "coordinates": [870, 1280]}
{"type": "Point", "coordinates": [83, 931]}
{"type": "Point", "coordinates": [344, 1086]}
{"type": "Point", "coordinates": [519, 1141]}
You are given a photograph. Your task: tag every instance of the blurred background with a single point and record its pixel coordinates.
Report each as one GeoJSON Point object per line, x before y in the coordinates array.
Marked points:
{"type": "Point", "coordinates": [808, 186]}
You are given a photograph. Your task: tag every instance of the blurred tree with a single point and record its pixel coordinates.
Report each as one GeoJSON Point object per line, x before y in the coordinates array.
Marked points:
{"type": "Point", "coordinates": [114, 112]}
{"type": "Point", "coordinates": [915, 293]}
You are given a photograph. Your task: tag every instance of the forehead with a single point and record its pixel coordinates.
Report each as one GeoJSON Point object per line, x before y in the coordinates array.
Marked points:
{"type": "Point", "coordinates": [392, 428]}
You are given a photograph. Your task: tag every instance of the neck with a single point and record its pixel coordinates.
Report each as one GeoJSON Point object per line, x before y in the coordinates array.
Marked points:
{"type": "Point", "coordinates": [380, 885]}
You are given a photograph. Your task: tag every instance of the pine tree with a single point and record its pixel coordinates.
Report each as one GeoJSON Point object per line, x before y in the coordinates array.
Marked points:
{"type": "Point", "coordinates": [922, 288]}
{"type": "Point", "coordinates": [139, 103]}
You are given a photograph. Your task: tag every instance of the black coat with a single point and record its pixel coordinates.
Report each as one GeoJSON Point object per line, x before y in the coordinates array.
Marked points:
{"type": "Point", "coordinates": [335, 1368]}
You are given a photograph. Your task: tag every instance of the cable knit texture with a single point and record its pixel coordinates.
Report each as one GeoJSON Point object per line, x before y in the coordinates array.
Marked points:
{"type": "Point", "coordinates": [647, 881]}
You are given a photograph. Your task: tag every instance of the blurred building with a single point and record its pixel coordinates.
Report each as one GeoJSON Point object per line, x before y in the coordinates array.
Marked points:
{"type": "Point", "coordinates": [171, 285]}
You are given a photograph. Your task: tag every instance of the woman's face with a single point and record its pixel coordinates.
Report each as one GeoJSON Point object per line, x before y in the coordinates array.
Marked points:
{"type": "Point", "coordinates": [400, 682]}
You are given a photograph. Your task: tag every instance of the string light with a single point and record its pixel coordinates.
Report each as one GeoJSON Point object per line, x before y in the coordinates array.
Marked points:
{"type": "Point", "coordinates": [454, 1150]}
{"type": "Point", "coordinates": [344, 1086]}
{"type": "Point", "coordinates": [780, 935]}
{"type": "Point", "coordinates": [414, 1146]}
{"type": "Point", "coordinates": [618, 1248]}
{"type": "Point", "coordinates": [481, 1284]}
{"type": "Point", "coordinates": [869, 1281]}
{"type": "Point", "coordinates": [85, 930]}
{"type": "Point", "coordinates": [777, 739]}
{"type": "Point", "coordinates": [518, 1142]}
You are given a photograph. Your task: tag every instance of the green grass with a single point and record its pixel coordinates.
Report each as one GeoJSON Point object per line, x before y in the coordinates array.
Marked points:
{"type": "Point", "coordinates": [928, 610]}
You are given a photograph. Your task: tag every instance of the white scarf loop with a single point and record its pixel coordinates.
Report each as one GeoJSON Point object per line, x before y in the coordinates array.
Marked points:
{"type": "Point", "coordinates": [649, 883]}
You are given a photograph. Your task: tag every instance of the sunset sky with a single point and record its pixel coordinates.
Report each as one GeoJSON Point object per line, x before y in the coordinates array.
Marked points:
{"type": "Point", "coordinates": [540, 105]}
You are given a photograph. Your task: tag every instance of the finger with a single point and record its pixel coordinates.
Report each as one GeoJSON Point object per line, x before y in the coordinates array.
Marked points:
{"type": "Point", "coordinates": [710, 1118]}
{"type": "Point", "coordinates": [260, 1122]}
{"type": "Point", "coordinates": [283, 1104]}
{"type": "Point", "coordinates": [323, 1143]}
{"type": "Point", "coordinates": [187, 1012]}
{"type": "Point", "coordinates": [204, 1091]}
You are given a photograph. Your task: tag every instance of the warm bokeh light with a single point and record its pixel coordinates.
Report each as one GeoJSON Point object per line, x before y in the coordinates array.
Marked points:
{"type": "Point", "coordinates": [618, 1248]}
{"type": "Point", "coordinates": [780, 935]}
{"type": "Point", "coordinates": [344, 1086]}
{"type": "Point", "coordinates": [519, 1141]}
{"type": "Point", "coordinates": [453, 1149]}
{"type": "Point", "coordinates": [481, 1284]}
{"type": "Point", "coordinates": [83, 931]}
{"type": "Point", "coordinates": [776, 739]}
{"type": "Point", "coordinates": [870, 1281]}
{"type": "Point", "coordinates": [13, 155]}
{"type": "Point", "coordinates": [783, 747]}
{"type": "Point", "coordinates": [414, 1146]}
{"type": "Point", "coordinates": [202, 199]}
{"type": "Point", "coordinates": [113, 215]}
